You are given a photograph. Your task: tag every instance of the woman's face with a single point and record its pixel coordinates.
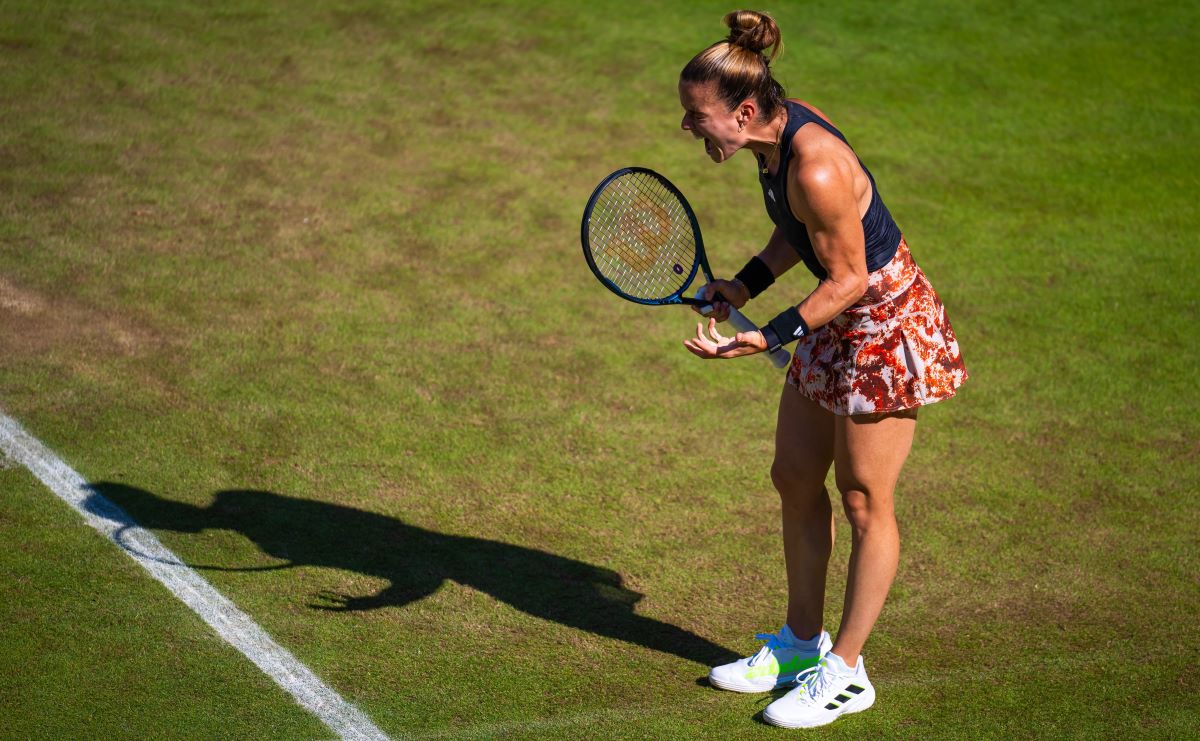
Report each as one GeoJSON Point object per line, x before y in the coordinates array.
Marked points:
{"type": "Point", "coordinates": [705, 116]}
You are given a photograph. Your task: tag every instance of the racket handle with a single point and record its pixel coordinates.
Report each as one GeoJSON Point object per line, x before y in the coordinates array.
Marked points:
{"type": "Point", "coordinates": [779, 357]}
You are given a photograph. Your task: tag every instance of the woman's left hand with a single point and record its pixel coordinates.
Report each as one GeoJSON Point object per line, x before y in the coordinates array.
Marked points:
{"type": "Point", "coordinates": [713, 345]}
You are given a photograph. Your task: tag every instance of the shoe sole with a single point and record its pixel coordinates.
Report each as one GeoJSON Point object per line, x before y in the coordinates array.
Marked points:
{"type": "Point", "coordinates": [861, 704]}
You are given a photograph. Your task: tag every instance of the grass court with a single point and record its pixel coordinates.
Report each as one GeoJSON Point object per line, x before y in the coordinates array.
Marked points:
{"type": "Point", "coordinates": [300, 288]}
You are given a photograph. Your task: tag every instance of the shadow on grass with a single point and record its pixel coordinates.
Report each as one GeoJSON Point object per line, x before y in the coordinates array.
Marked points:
{"type": "Point", "coordinates": [417, 562]}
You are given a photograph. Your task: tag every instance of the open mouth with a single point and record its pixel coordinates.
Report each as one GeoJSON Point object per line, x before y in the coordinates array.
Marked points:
{"type": "Point", "coordinates": [709, 148]}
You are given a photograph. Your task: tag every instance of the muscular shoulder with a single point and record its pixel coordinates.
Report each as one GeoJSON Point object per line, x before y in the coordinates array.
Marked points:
{"type": "Point", "coordinates": [823, 172]}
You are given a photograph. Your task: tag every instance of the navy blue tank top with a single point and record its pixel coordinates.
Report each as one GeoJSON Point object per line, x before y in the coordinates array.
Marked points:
{"type": "Point", "coordinates": [880, 230]}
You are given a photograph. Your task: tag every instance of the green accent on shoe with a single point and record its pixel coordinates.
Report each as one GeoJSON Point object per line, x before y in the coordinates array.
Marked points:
{"type": "Point", "coordinates": [773, 668]}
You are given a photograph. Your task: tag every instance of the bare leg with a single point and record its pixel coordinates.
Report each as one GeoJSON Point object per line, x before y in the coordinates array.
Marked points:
{"type": "Point", "coordinates": [869, 453]}
{"type": "Point", "coordinates": [804, 449]}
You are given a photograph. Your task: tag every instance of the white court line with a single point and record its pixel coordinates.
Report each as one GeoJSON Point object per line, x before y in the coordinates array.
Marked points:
{"type": "Point", "coordinates": [193, 590]}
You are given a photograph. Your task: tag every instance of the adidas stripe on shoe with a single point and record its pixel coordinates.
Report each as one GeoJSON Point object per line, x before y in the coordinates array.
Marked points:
{"type": "Point", "coordinates": [779, 661]}
{"type": "Point", "coordinates": [829, 690]}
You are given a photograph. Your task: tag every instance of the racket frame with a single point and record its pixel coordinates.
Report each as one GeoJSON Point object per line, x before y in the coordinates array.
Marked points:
{"type": "Point", "coordinates": [701, 261]}
{"type": "Point", "coordinates": [779, 357]}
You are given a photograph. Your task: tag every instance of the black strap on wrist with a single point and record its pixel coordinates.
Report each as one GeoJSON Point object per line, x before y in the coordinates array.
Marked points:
{"type": "Point", "coordinates": [789, 326]}
{"type": "Point", "coordinates": [755, 276]}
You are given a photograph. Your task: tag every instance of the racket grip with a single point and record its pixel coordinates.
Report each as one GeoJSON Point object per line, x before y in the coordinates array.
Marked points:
{"type": "Point", "coordinates": [780, 357]}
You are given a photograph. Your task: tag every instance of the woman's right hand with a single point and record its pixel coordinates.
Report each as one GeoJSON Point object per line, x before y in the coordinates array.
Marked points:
{"type": "Point", "coordinates": [732, 291]}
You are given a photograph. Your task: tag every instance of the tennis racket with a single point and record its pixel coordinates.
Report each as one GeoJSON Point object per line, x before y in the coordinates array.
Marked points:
{"type": "Point", "coordinates": [643, 242]}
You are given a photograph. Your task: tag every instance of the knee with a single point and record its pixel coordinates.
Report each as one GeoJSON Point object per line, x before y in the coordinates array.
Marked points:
{"type": "Point", "coordinates": [799, 486]}
{"type": "Point", "coordinates": [855, 505]}
{"type": "Point", "coordinates": [866, 510]}
{"type": "Point", "coordinates": [788, 478]}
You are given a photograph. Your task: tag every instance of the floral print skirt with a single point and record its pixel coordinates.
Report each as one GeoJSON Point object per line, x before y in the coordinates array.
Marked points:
{"type": "Point", "coordinates": [893, 350]}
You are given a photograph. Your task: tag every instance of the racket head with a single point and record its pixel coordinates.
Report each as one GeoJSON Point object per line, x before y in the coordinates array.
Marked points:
{"type": "Point", "coordinates": [641, 238]}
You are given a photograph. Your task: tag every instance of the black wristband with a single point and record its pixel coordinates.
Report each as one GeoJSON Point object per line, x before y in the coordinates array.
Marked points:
{"type": "Point", "coordinates": [787, 327]}
{"type": "Point", "coordinates": [756, 276]}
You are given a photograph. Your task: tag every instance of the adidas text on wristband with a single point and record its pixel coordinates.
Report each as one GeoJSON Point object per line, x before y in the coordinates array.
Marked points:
{"type": "Point", "coordinates": [787, 327]}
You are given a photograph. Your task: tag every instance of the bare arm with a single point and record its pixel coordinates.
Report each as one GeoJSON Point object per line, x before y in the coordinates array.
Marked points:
{"type": "Point", "coordinates": [825, 201]}
{"type": "Point", "coordinates": [823, 197]}
{"type": "Point", "coordinates": [779, 256]}
{"type": "Point", "coordinates": [828, 208]}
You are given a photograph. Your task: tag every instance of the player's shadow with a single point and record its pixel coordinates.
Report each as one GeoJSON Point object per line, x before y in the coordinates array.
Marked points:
{"type": "Point", "coordinates": [416, 562]}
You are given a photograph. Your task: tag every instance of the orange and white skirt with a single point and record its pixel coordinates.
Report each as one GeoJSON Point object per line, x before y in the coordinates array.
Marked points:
{"type": "Point", "coordinates": [893, 350]}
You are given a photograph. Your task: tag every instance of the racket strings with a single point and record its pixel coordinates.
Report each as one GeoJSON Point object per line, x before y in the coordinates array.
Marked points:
{"type": "Point", "coordinates": [645, 229]}
{"type": "Point", "coordinates": [641, 238]}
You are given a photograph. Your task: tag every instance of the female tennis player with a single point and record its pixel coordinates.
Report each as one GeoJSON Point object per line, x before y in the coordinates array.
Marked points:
{"type": "Point", "coordinates": [872, 345]}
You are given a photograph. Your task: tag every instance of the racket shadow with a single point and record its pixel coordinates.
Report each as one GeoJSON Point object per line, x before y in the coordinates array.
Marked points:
{"type": "Point", "coordinates": [416, 562]}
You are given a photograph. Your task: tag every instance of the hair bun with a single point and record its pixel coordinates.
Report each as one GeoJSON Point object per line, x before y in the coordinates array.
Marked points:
{"type": "Point", "coordinates": [753, 30]}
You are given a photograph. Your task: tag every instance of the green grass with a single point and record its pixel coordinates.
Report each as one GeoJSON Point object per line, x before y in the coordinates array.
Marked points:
{"type": "Point", "coordinates": [331, 256]}
{"type": "Point", "coordinates": [95, 648]}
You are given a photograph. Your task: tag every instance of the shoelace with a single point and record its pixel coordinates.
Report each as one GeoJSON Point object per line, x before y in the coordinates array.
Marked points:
{"type": "Point", "coordinates": [813, 683]}
{"type": "Point", "coordinates": [773, 641]}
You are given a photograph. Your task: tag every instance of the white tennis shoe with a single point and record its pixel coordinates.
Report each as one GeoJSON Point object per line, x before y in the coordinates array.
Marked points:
{"type": "Point", "coordinates": [777, 663]}
{"type": "Point", "coordinates": [828, 690]}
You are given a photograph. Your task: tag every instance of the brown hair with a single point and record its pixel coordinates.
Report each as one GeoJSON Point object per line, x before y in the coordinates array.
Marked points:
{"type": "Point", "coordinates": [740, 65]}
